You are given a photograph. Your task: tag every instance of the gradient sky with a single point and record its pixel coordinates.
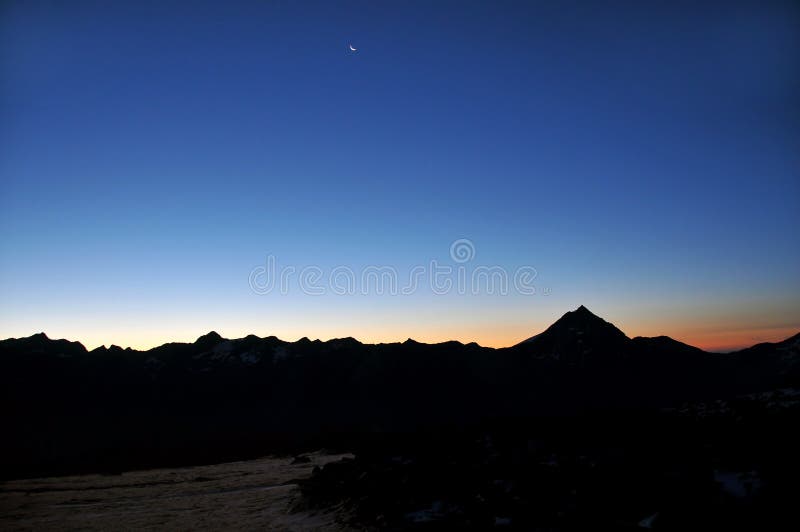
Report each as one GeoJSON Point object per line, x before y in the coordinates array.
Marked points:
{"type": "Point", "coordinates": [643, 156]}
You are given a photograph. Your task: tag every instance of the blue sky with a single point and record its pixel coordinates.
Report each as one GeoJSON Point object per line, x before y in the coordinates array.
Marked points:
{"type": "Point", "coordinates": [642, 156]}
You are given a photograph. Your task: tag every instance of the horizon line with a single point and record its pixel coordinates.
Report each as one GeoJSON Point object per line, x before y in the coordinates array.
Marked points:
{"type": "Point", "coordinates": [145, 348]}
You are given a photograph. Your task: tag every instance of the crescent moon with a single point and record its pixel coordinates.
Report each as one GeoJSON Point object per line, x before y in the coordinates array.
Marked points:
{"type": "Point", "coordinates": [352, 49]}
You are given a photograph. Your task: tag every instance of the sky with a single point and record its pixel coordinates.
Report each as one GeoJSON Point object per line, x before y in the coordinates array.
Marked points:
{"type": "Point", "coordinates": [640, 158]}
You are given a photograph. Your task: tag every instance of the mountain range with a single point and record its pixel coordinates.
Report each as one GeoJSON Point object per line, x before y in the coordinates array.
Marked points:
{"type": "Point", "coordinates": [66, 409]}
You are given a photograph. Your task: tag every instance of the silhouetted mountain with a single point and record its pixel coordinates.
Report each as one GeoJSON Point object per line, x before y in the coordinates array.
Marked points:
{"type": "Point", "coordinates": [666, 345]}
{"type": "Point", "coordinates": [69, 409]}
{"type": "Point", "coordinates": [578, 338]}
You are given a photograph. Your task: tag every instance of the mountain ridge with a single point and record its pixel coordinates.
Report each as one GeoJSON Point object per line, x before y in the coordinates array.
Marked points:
{"type": "Point", "coordinates": [69, 409]}
{"type": "Point", "coordinates": [580, 315]}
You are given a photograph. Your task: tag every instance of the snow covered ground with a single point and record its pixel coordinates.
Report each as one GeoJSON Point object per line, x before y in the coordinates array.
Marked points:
{"type": "Point", "coordinates": [240, 495]}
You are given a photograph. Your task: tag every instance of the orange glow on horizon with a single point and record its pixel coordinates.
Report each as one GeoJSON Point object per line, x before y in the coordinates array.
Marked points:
{"type": "Point", "coordinates": [736, 339]}
{"type": "Point", "coordinates": [714, 339]}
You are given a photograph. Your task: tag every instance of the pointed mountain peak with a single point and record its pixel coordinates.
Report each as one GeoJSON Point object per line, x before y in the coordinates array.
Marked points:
{"type": "Point", "coordinates": [580, 317]}
{"type": "Point", "coordinates": [577, 334]}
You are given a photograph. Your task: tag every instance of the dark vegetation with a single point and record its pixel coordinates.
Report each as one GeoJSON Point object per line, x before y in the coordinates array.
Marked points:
{"type": "Point", "coordinates": [579, 425]}
{"type": "Point", "coordinates": [731, 467]}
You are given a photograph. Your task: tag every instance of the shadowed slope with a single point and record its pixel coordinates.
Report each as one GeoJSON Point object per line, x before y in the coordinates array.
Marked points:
{"type": "Point", "coordinates": [69, 409]}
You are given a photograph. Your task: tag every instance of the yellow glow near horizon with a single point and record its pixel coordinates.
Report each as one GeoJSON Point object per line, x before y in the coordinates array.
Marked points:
{"type": "Point", "coordinates": [488, 335]}
{"type": "Point", "coordinates": [489, 323]}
